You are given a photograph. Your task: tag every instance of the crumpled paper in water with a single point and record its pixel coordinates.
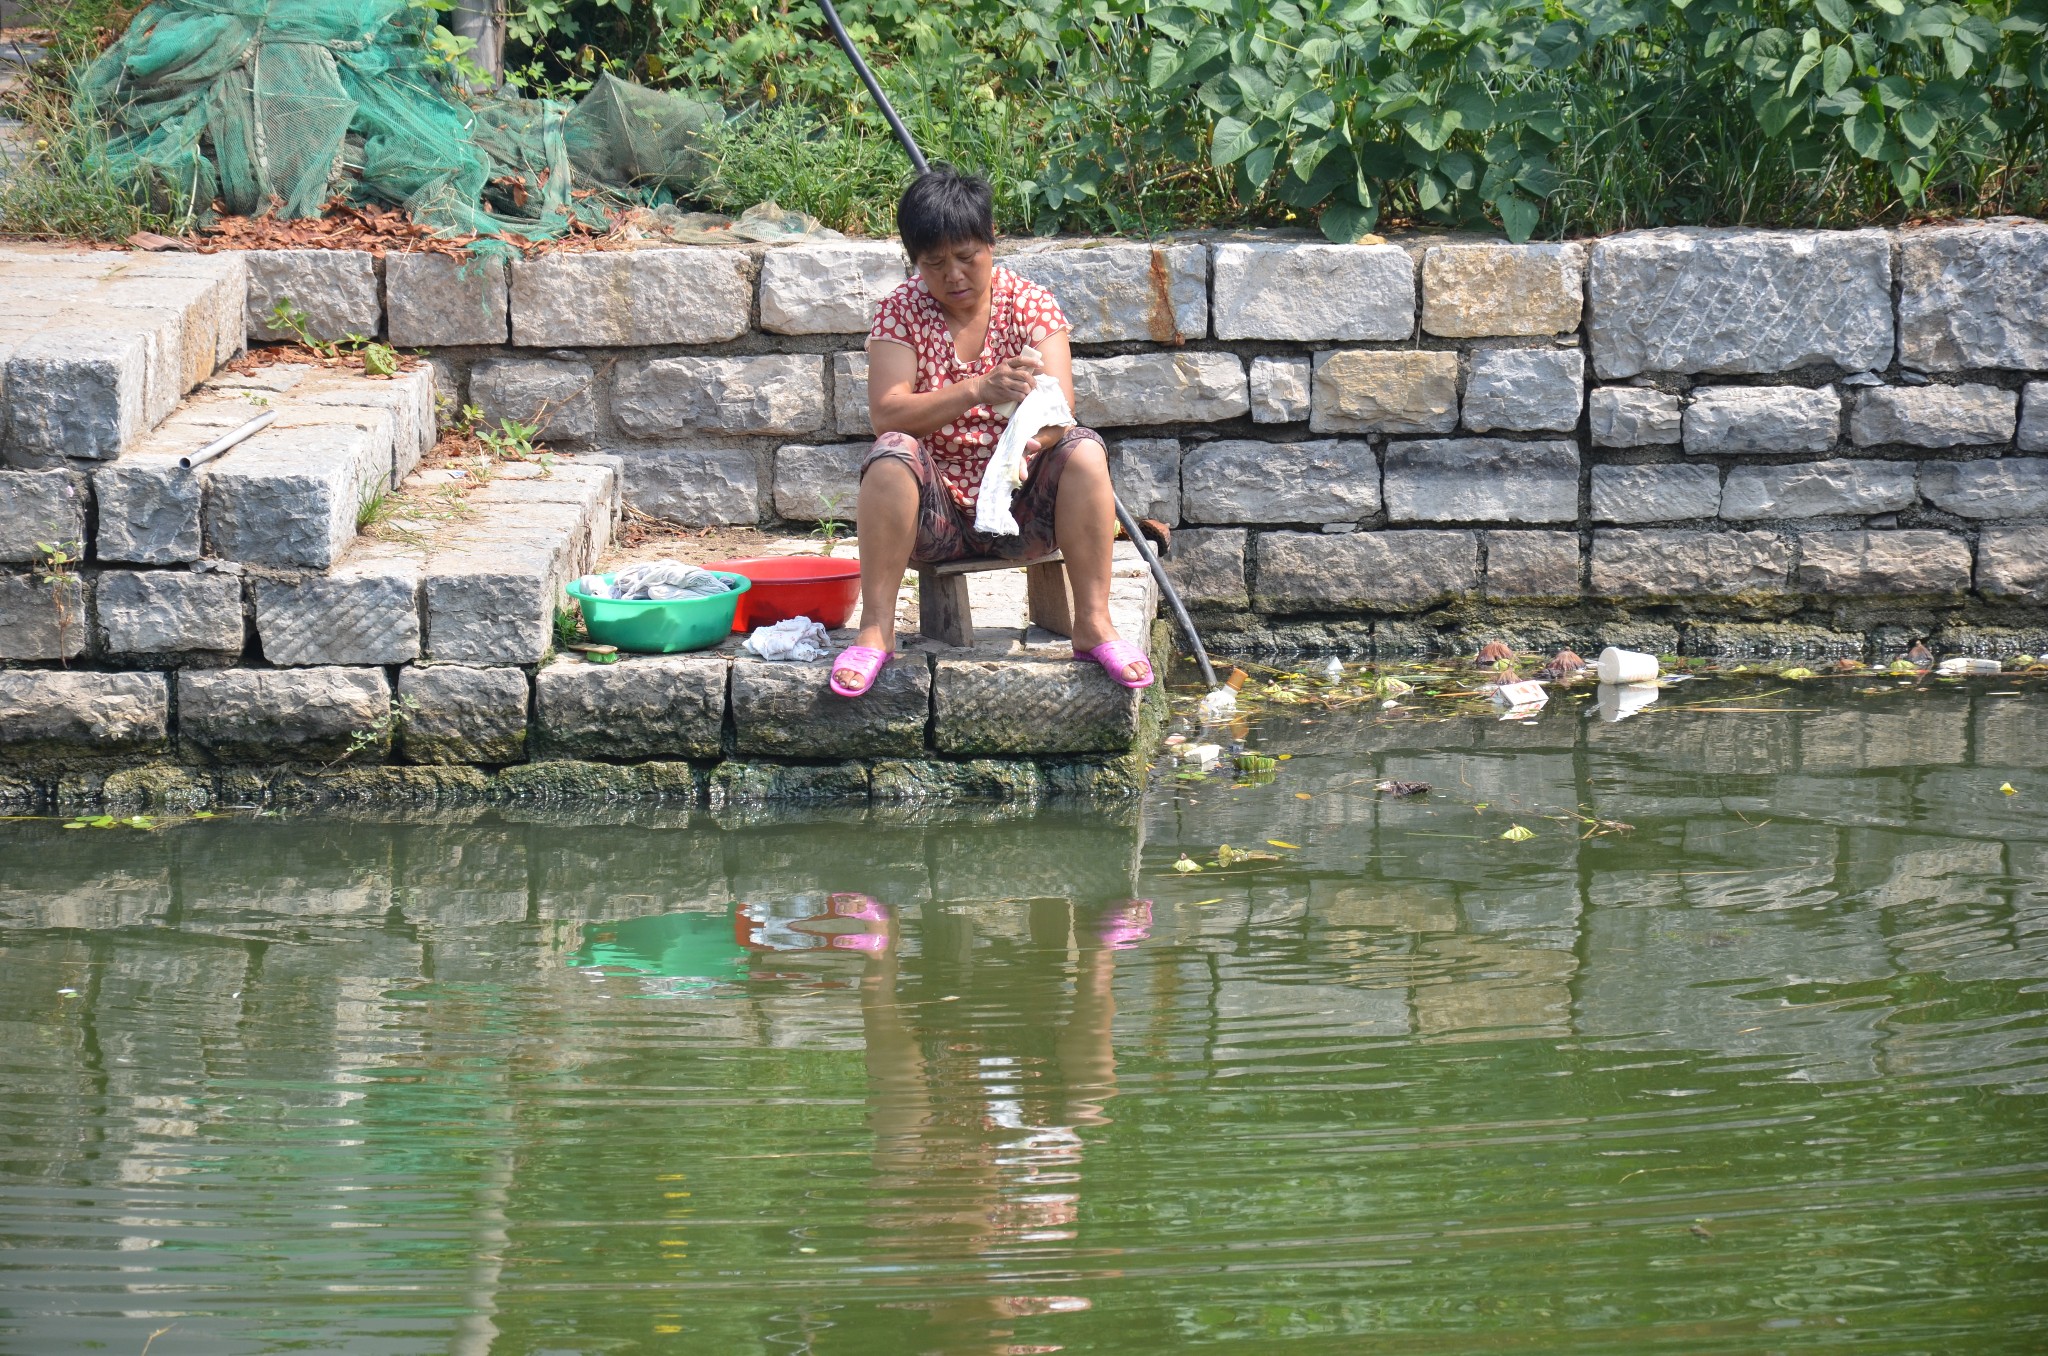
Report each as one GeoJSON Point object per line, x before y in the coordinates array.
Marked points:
{"type": "Point", "coordinates": [796, 641]}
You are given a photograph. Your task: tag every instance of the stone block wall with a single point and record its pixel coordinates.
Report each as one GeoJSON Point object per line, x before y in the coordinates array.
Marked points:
{"type": "Point", "coordinates": [1384, 444]}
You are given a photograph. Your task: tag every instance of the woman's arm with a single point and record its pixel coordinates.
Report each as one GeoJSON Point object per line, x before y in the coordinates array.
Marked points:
{"type": "Point", "coordinates": [895, 406]}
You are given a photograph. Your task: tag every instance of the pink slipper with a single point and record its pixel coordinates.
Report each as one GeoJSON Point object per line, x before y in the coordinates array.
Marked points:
{"type": "Point", "coordinates": [864, 660]}
{"type": "Point", "coordinates": [1117, 655]}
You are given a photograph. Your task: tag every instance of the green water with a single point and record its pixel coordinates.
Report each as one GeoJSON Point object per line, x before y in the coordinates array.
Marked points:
{"type": "Point", "coordinates": [1765, 1073]}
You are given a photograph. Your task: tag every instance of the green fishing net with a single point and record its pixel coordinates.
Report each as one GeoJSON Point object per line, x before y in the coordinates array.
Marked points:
{"type": "Point", "coordinates": [277, 107]}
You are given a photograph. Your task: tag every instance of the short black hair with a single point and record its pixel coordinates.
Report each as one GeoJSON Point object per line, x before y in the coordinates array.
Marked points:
{"type": "Point", "coordinates": [943, 207]}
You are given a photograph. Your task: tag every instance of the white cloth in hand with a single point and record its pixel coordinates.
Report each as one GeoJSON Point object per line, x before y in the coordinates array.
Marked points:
{"type": "Point", "coordinates": [796, 641]}
{"type": "Point", "coordinates": [1045, 407]}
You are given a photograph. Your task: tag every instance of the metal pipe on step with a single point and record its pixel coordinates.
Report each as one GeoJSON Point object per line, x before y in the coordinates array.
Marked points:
{"type": "Point", "coordinates": [228, 440]}
{"type": "Point", "coordinates": [1123, 514]}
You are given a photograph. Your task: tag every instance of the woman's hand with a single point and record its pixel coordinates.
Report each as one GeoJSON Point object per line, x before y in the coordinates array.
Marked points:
{"type": "Point", "coordinates": [1010, 381]}
{"type": "Point", "coordinates": [1047, 437]}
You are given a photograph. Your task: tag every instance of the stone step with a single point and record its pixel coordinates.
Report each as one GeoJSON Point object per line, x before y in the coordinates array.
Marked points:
{"type": "Point", "coordinates": [290, 496]}
{"type": "Point", "coordinates": [460, 572]}
{"type": "Point", "coordinates": [98, 347]}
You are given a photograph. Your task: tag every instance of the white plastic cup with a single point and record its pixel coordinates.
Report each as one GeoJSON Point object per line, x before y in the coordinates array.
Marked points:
{"type": "Point", "coordinates": [1627, 666]}
{"type": "Point", "coordinates": [1619, 701]}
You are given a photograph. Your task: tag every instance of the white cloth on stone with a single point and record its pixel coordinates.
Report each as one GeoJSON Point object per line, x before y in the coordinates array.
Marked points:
{"type": "Point", "coordinates": [796, 641]}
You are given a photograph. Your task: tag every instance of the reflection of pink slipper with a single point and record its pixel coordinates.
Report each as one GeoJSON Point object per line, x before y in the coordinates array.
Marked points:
{"type": "Point", "coordinates": [846, 904]}
{"type": "Point", "coordinates": [864, 660]}
{"type": "Point", "coordinates": [1123, 926]}
{"type": "Point", "coordinates": [1117, 655]}
{"type": "Point", "coordinates": [859, 941]}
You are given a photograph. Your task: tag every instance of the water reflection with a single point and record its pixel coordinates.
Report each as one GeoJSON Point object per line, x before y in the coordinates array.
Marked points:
{"type": "Point", "coordinates": [978, 1081]}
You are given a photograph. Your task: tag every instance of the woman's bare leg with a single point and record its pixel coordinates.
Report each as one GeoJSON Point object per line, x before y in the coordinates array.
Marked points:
{"type": "Point", "coordinates": [888, 529]}
{"type": "Point", "coordinates": [1084, 524]}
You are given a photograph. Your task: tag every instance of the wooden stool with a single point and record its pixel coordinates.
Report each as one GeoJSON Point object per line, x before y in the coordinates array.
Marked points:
{"type": "Point", "coordinates": [945, 614]}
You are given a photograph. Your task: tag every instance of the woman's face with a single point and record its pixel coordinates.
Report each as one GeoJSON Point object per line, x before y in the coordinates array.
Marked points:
{"type": "Point", "coordinates": [957, 273]}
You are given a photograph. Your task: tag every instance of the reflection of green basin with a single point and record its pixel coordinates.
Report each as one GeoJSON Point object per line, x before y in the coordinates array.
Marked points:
{"type": "Point", "coordinates": [675, 945]}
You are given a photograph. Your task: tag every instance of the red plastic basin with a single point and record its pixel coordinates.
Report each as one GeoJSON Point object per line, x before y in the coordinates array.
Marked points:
{"type": "Point", "coordinates": [817, 587]}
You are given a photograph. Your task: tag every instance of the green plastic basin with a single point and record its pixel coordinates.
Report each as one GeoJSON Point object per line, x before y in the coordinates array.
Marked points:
{"type": "Point", "coordinates": [664, 625]}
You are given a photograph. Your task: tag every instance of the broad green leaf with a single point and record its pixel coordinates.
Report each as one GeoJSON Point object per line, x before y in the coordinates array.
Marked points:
{"type": "Point", "coordinates": [1837, 13]}
{"type": "Point", "coordinates": [1865, 133]}
{"type": "Point", "coordinates": [1345, 221]}
{"type": "Point", "coordinates": [1461, 169]}
{"type": "Point", "coordinates": [1836, 66]}
{"type": "Point", "coordinates": [1430, 190]}
{"type": "Point", "coordinates": [1253, 84]}
{"type": "Point", "coordinates": [1233, 140]}
{"type": "Point", "coordinates": [1539, 178]}
{"type": "Point", "coordinates": [1319, 52]}
{"type": "Point", "coordinates": [1959, 57]}
{"type": "Point", "coordinates": [1309, 153]}
{"type": "Point", "coordinates": [1518, 216]}
{"type": "Point", "coordinates": [1207, 48]}
{"type": "Point", "coordinates": [1906, 178]}
{"type": "Point", "coordinates": [1315, 109]}
{"type": "Point", "coordinates": [1258, 165]}
{"type": "Point", "coordinates": [1778, 113]}
{"type": "Point", "coordinates": [1889, 6]}
{"type": "Point", "coordinates": [1919, 123]}
{"type": "Point", "coordinates": [1805, 66]}
{"type": "Point", "coordinates": [1431, 128]}
{"type": "Point", "coordinates": [1474, 106]}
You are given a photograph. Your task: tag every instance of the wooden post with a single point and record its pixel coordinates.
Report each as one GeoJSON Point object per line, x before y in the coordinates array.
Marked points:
{"type": "Point", "coordinates": [1048, 597]}
{"type": "Point", "coordinates": [944, 611]}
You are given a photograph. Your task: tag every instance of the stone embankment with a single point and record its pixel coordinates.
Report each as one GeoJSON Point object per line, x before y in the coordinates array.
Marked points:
{"type": "Point", "coordinates": [1712, 440]}
{"type": "Point", "coordinates": [1717, 441]}
{"type": "Point", "coordinates": [316, 615]}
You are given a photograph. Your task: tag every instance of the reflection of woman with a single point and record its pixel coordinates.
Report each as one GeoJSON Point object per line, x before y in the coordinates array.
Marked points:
{"type": "Point", "coordinates": [978, 1114]}
{"type": "Point", "coordinates": [946, 351]}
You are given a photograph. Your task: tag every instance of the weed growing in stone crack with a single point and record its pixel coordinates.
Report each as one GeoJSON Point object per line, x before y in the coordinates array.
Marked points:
{"type": "Point", "coordinates": [376, 508]}
{"type": "Point", "coordinates": [568, 626]}
{"type": "Point", "coordinates": [379, 731]}
{"type": "Point", "coordinates": [829, 527]}
{"type": "Point", "coordinates": [510, 440]}
{"type": "Point", "coordinates": [379, 360]}
{"type": "Point", "coordinates": [57, 569]}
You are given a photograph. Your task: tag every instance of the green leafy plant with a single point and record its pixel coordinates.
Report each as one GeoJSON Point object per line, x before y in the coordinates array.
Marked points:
{"type": "Point", "coordinates": [379, 732]}
{"type": "Point", "coordinates": [568, 626]}
{"type": "Point", "coordinates": [829, 527]}
{"type": "Point", "coordinates": [510, 440]}
{"type": "Point", "coordinates": [56, 568]}
{"type": "Point", "coordinates": [285, 315]}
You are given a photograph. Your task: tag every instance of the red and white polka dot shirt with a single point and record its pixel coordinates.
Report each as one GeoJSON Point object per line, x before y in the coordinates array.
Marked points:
{"type": "Point", "coordinates": [1020, 313]}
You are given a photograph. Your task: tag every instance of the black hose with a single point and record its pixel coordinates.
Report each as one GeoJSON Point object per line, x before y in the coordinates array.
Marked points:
{"type": "Point", "coordinates": [1180, 611]}
{"type": "Point", "coordinates": [1124, 516]}
{"type": "Point", "coordinates": [867, 77]}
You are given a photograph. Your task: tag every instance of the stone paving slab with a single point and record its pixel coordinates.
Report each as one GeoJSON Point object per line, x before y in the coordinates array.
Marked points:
{"type": "Point", "coordinates": [100, 345]}
{"type": "Point", "coordinates": [262, 715]}
{"type": "Point", "coordinates": [453, 714]}
{"type": "Point", "coordinates": [364, 611]}
{"type": "Point", "coordinates": [789, 711]}
{"type": "Point", "coordinates": [643, 706]}
{"type": "Point", "coordinates": [43, 621]}
{"type": "Point", "coordinates": [1729, 300]}
{"type": "Point", "coordinates": [987, 707]}
{"type": "Point", "coordinates": [69, 714]}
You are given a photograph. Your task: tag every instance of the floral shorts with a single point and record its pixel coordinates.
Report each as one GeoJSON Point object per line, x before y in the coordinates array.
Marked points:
{"type": "Point", "coordinates": [945, 531]}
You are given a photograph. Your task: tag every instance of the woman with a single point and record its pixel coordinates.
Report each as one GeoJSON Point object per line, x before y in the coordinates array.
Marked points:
{"type": "Point", "coordinates": [945, 349]}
